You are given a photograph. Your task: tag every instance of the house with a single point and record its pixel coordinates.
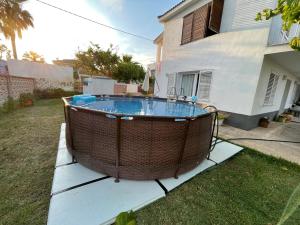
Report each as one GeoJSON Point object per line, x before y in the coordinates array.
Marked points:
{"type": "Point", "coordinates": [214, 49]}
{"type": "Point", "coordinates": [45, 75]}
{"type": "Point", "coordinates": [151, 69]}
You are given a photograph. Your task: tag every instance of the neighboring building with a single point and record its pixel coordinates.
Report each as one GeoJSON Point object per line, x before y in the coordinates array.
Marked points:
{"type": "Point", "coordinates": [98, 85]}
{"type": "Point", "coordinates": [3, 67]}
{"type": "Point", "coordinates": [45, 75]}
{"type": "Point", "coordinates": [151, 69]}
{"type": "Point", "coordinates": [214, 49]}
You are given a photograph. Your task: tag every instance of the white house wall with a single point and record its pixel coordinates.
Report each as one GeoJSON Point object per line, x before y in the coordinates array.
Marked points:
{"type": "Point", "coordinates": [268, 67]}
{"type": "Point", "coordinates": [240, 14]}
{"type": "Point", "coordinates": [234, 57]}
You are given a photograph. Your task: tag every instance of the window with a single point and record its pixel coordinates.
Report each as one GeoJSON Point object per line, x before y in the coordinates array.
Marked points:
{"type": "Point", "coordinates": [187, 84]}
{"type": "Point", "coordinates": [271, 89]}
{"type": "Point", "coordinates": [205, 79]}
{"type": "Point", "coordinates": [203, 22]}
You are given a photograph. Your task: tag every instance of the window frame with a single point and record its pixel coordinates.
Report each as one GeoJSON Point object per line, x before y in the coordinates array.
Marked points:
{"type": "Point", "coordinates": [199, 85]}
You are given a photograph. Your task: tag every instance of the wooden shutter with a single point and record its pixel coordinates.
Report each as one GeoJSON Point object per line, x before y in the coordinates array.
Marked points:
{"type": "Point", "coordinates": [187, 29]}
{"type": "Point", "coordinates": [201, 17]}
{"type": "Point", "coordinates": [216, 15]}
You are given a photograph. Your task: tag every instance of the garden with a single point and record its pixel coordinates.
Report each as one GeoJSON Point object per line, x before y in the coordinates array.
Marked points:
{"type": "Point", "coordinates": [250, 188]}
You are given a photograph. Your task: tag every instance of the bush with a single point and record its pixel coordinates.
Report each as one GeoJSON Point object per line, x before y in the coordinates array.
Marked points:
{"type": "Point", "coordinates": [26, 99]}
{"type": "Point", "coordinates": [9, 105]}
{"type": "Point", "coordinates": [53, 93]}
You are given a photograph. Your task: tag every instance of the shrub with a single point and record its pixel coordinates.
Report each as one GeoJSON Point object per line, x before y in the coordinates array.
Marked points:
{"type": "Point", "coordinates": [52, 93]}
{"type": "Point", "coordinates": [9, 105]}
{"type": "Point", "coordinates": [26, 99]}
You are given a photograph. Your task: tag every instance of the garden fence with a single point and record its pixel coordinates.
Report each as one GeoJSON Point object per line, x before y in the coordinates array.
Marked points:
{"type": "Point", "coordinates": [13, 86]}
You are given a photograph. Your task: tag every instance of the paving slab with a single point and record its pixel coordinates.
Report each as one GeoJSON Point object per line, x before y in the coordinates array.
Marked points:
{"type": "Point", "coordinates": [100, 202]}
{"type": "Point", "coordinates": [63, 157]}
{"type": "Point", "coordinates": [224, 151]}
{"type": "Point", "coordinates": [172, 183]}
{"type": "Point", "coordinates": [71, 175]}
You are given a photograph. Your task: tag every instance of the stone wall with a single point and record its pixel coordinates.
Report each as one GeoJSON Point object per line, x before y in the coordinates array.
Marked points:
{"type": "Point", "coordinates": [14, 86]}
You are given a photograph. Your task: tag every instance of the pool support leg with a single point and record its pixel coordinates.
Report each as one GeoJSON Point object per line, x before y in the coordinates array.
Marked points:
{"type": "Point", "coordinates": [118, 148]}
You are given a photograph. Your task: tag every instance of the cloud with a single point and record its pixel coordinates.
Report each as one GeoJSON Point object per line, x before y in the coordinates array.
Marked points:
{"type": "Point", "coordinates": [116, 5]}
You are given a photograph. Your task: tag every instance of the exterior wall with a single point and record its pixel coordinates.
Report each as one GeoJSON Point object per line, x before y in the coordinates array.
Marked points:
{"type": "Point", "coordinates": [46, 75]}
{"type": "Point", "coordinates": [268, 67]}
{"type": "Point", "coordinates": [235, 59]}
{"type": "Point", "coordinates": [14, 86]}
{"type": "Point", "coordinates": [240, 14]}
{"type": "Point", "coordinates": [120, 89]}
{"type": "Point", "coordinates": [99, 86]}
{"type": "Point", "coordinates": [235, 56]}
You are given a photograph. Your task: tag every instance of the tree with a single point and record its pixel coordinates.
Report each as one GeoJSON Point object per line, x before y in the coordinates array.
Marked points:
{"type": "Point", "coordinates": [96, 61]}
{"type": "Point", "coordinates": [3, 49]}
{"type": "Point", "coordinates": [13, 20]}
{"type": "Point", "coordinates": [33, 57]}
{"type": "Point", "coordinates": [128, 71]}
{"type": "Point", "coordinates": [290, 14]}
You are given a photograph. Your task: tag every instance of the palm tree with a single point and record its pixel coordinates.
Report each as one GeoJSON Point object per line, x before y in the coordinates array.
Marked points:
{"type": "Point", "coordinates": [33, 57]}
{"type": "Point", "coordinates": [13, 20]}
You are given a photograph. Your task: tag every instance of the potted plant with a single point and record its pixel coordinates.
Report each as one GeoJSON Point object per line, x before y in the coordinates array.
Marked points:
{"type": "Point", "coordinates": [264, 122]}
{"type": "Point", "coordinates": [221, 118]}
{"type": "Point", "coordinates": [26, 99]}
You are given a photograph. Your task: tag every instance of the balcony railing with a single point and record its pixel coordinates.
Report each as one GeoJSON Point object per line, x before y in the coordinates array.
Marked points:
{"type": "Point", "coordinates": [277, 36]}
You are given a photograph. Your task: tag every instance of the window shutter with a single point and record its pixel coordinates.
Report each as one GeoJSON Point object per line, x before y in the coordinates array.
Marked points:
{"type": "Point", "coordinates": [201, 17]}
{"type": "Point", "coordinates": [216, 15]}
{"type": "Point", "coordinates": [271, 89]}
{"type": "Point", "coordinates": [171, 84]}
{"type": "Point", "coordinates": [187, 29]}
{"type": "Point", "coordinates": [204, 85]}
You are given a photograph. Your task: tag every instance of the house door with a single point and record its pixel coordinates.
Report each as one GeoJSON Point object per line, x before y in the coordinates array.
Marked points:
{"type": "Point", "coordinates": [187, 84]}
{"type": "Point", "coordinates": [284, 97]}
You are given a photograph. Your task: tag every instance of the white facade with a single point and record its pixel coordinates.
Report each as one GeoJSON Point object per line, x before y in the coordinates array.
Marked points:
{"type": "Point", "coordinates": [236, 58]}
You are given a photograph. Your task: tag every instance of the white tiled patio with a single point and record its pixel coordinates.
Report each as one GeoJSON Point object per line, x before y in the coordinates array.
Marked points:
{"type": "Point", "coordinates": [82, 196]}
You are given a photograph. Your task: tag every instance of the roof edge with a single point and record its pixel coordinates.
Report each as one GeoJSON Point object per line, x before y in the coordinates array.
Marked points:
{"type": "Point", "coordinates": [175, 10]}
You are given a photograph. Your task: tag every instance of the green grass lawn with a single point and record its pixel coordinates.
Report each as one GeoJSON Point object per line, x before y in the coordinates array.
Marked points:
{"type": "Point", "coordinates": [250, 188]}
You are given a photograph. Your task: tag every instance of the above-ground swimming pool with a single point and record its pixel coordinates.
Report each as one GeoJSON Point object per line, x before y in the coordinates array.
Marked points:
{"type": "Point", "coordinates": [135, 137]}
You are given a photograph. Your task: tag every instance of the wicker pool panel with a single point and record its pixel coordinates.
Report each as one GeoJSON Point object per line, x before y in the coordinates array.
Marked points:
{"type": "Point", "coordinates": [142, 148]}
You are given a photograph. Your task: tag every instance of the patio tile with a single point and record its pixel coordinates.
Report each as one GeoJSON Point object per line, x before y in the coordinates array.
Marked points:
{"type": "Point", "coordinates": [100, 202]}
{"type": "Point", "coordinates": [62, 131]}
{"type": "Point", "coordinates": [63, 157]}
{"type": "Point", "coordinates": [224, 151]}
{"type": "Point", "coordinates": [172, 183]}
{"type": "Point", "coordinates": [71, 175]}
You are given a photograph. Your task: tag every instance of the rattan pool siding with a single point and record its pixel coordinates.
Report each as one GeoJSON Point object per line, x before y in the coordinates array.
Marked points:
{"type": "Point", "coordinates": [143, 148]}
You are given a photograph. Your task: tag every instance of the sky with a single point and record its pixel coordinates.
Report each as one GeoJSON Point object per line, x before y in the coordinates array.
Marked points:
{"type": "Point", "coordinates": [59, 35]}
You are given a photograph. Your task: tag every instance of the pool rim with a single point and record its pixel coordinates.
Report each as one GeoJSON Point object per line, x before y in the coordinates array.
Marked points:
{"type": "Point", "coordinates": [66, 101]}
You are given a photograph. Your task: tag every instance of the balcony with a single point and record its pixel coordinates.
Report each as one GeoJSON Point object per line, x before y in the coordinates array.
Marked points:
{"type": "Point", "coordinates": [279, 37]}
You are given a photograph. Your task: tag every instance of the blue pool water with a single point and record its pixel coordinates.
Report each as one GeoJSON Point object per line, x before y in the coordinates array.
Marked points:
{"type": "Point", "coordinates": [142, 106]}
